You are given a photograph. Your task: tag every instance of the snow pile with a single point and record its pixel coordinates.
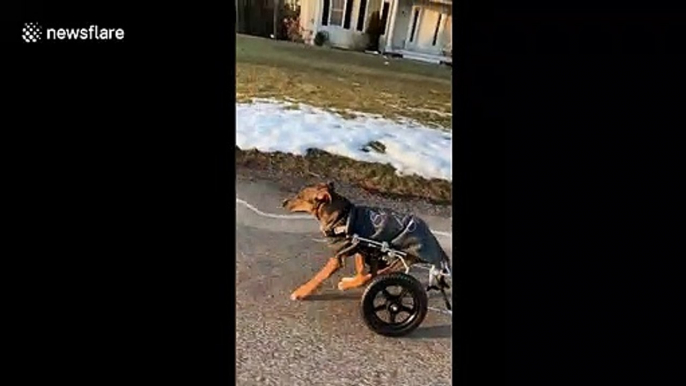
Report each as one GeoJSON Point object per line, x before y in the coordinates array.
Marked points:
{"type": "Point", "coordinates": [269, 126]}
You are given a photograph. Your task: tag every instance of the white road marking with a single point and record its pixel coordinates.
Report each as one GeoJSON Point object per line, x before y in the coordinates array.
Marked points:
{"type": "Point", "coordinates": [440, 310]}
{"type": "Point", "coordinates": [271, 215]}
{"type": "Point", "coordinates": [306, 217]}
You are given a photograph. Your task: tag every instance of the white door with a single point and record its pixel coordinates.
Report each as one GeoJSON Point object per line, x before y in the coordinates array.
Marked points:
{"type": "Point", "coordinates": [423, 33]}
{"type": "Point", "coordinates": [426, 34]}
{"type": "Point", "coordinates": [403, 17]}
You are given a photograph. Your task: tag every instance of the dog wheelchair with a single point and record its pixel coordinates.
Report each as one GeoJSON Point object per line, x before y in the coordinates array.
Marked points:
{"type": "Point", "coordinates": [378, 300]}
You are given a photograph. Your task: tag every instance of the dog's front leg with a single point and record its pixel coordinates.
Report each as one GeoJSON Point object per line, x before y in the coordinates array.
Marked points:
{"type": "Point", "coordinates": [306, 289]}
{"type": "Point", "coordinates": [360, 277]}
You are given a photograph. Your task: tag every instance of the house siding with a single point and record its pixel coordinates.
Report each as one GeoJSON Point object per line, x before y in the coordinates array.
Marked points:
{"type": "Point", "coordinates": [400, 19]}
{"type": "Point", "coordinates": [348, 38]}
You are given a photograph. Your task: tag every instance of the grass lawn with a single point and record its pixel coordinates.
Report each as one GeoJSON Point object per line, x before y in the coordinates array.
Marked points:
{"type": "Point", "coordinates": [343, 80]}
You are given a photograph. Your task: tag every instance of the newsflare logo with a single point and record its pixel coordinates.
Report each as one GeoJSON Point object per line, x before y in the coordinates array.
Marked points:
{"type": "Point", "coordinates": [33, 32]}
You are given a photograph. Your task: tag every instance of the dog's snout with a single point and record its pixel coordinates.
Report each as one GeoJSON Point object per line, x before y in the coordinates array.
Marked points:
{"type": "Point", "coordinates": [284, 203]}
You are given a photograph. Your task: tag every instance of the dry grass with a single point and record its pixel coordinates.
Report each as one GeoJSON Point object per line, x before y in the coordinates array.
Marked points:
{"type": "Point", "coordinates": [372, 177]}
{"type": "Point", "coordinates": [335, 79]}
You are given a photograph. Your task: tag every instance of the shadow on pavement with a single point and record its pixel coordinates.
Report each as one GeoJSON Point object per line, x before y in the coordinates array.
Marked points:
{"type": "Point", "coordinates": [334, 296]}
{"type": "Point", "coordinates": [433, 332]}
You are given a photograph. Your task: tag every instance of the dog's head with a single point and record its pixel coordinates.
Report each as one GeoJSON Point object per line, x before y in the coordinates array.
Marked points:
{"type": "Point", "coordinates": [311, 198]}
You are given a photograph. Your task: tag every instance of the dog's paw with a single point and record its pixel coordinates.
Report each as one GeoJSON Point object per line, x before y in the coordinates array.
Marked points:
{"type": "Point", "coordinates": [297, 296]}
{"type": "Point", "coordinates": [344, 284]}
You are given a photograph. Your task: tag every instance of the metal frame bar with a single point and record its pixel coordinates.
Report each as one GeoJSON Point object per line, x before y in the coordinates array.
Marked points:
{"type": "Point", "coordinates": [433, 271]}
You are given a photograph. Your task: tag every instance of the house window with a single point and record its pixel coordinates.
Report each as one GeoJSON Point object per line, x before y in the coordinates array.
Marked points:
{"type": "Point", "coordinates": [414, 23]}
{"type": "Point", "coordinates": [325, 12]}
{"type": "Point", "coordinates": [384, 17]}
{"type": "Point", "coordinates": [438, 25]}
{"type": "Point", "coordinates": [361, 15]}
{"type": "Point", "coordinates": [336, 16]}
{"type": "Point", "coordinates": [348, 14]}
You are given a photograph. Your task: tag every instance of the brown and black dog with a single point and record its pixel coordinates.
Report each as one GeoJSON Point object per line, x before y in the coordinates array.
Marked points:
{"type": "Point", "coordinates": [332, 210]}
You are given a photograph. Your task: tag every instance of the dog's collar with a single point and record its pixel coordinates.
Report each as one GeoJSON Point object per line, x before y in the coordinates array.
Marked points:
{"type": "Point", "coordinates": [335, 231]}
{"type": "Point", "coordinates": [340, 230]}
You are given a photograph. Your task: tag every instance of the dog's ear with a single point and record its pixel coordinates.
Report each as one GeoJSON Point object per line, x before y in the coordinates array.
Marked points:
{"type": "Point", "coordinates": [323, 193]}
{"type": "Point", "coordinates": [325, 185]}
{"type": "Point", "coordinates": [323, 196]}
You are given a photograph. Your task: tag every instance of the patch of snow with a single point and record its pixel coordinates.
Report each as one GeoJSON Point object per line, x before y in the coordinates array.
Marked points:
{"type": "Point", "coordinates": [411, 148]}
{"type": "Point", "coordinates": [430, 111]}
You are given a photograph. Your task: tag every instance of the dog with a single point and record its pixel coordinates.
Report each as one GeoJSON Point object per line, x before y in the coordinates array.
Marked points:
{"type": "Point", "coordinates": [339, 219]}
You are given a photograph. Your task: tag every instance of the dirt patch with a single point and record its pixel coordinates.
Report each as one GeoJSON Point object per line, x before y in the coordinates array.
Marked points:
{"type": "Point", "coordinates": [373, 178]}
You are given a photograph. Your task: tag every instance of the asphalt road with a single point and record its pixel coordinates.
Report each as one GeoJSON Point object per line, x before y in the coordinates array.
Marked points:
{"type": "Point", "coordinates": [321, 340]}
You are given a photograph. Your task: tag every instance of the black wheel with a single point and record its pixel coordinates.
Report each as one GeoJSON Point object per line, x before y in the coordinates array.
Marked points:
{"type": "Point", "coordinates": [394, 304]}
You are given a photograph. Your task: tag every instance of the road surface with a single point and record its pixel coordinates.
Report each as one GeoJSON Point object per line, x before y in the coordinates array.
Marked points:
{"type": "Point", "coordinates": [322, 340]}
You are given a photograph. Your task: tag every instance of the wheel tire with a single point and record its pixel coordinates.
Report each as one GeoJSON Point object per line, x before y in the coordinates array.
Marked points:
{"type": "Point", "coordinates": [412, 287]}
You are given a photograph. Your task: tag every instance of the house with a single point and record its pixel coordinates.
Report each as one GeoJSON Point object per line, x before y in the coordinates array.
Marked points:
{"type": "Point", "coordinates": [415, 29]}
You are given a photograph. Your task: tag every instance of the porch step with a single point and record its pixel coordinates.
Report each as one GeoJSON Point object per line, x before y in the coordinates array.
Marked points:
{"type": "Point", "coordinates": [428, 58]}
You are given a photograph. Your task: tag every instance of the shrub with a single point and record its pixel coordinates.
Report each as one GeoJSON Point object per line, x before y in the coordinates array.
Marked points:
{"type": "Point", "coordinates": [320, 38]}
{"type": "Point", "coordinates": [293, 30]}
{"type": "Point", "coordinates": [290, 26]}
{"type": "Point", "coordinates": [374, 31]}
